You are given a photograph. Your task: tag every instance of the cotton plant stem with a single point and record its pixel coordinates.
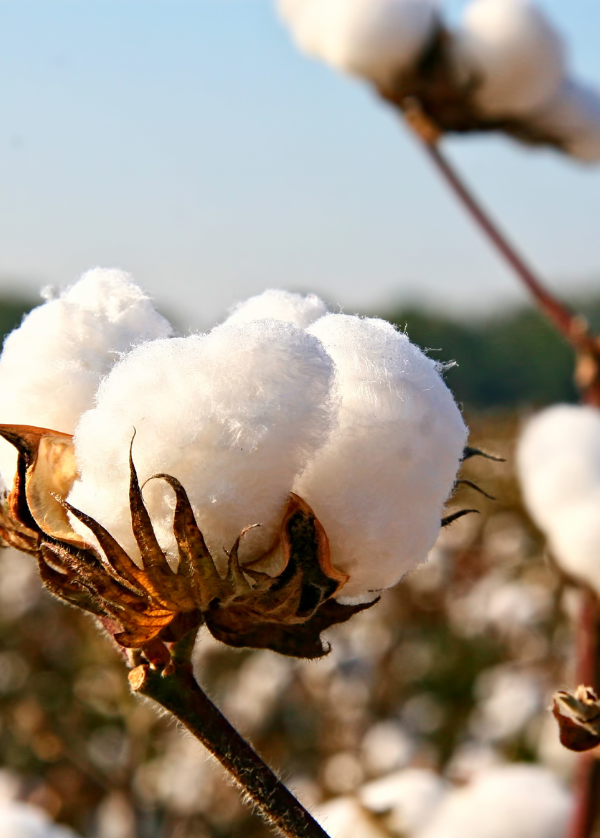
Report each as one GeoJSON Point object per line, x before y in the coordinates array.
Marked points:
{"type": "Point", "coordinates": [177, 690]}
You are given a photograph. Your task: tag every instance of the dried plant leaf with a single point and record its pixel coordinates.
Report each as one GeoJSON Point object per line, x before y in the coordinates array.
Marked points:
{"type": "Point", "coordinates": [578, 717]}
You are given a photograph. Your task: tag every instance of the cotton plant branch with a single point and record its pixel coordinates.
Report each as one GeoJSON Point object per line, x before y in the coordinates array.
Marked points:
{"type": "Point", "coordinates": [176, 690]}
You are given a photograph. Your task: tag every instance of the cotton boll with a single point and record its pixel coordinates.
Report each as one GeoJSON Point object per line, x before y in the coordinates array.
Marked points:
{"type": "Point", "coordinates": [410, 797]}
{"type": "Point", "coordinates": [379, 485]}
{"type": "Point", "coordinates": [20, 820]}
{"type": "Point", "coordinates": [573, 117]}
{"type": "Point", "coordinates": [510, 801]}
{"type": "Point", "coordinates": [375, 39]}
{"type": "Point", "coordinates": [52, 364]}
{"type": "Point", "coordinates": [234, 415]}
{"type": "Point", "coordinates": [515, 52]}
{"type": "Point", "coordinates": [345, 818]}
{"type": "Point", "coordinates": [280, 305]}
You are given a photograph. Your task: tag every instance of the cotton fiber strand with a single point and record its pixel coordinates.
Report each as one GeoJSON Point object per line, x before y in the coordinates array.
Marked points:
{"type": "Point", "coordinates": [511, 801]}
{"type": "Point", "coordinates": [20, 820]}
{"type": "Point", "coordinates": [51, 365]}
{"type": "Point", "coordinates": [380, 484]}
{"type": "Point", "coordinates": [513, 51]}
{"type": "Point", "coordinates": [235, 415]}
{"type": "Point", "coordinates": [277, 304]}
{"type": "Point", "coordinates": [573, 117]}
{"type": "Point", "coordinates": [558, 461]}
{"type": "Point", "coordinates": [375, 39]}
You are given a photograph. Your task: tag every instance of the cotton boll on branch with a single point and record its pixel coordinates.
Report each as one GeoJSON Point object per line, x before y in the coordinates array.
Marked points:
{"type": "Point", "coordinates": [558, 461]}
{"type": "Point", "coordinates": [234, 415]}
{"type": "Point", "coordinates": [514, 53]}
{"type": "Point", "coordinates": [375, 39]}
{"type": "Point", "coordinates": [278, 304]}
{"type": "Point", "coordinates": [52, 364]}
{"type": "Point", "coordinates": [380, 484]}
{"type": "Point", "coordinates": [573, 117]}
{"type": "Point", "coordinates": [520, 801]}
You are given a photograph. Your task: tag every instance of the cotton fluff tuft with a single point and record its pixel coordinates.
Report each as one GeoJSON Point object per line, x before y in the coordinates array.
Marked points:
{"type": "Point", "coordinates": [380, 484]}
{"type": "Point", "coordinates": [51, 365]}
{"type": "Point", "coordinates": [375, 39]}
{"type": "Point", "coordinates": [558, 460]}
{"type": "Point", "coordinates": [573, 117]}
{"type": "Point", "coordinates": [234, 415]}
{"type": "Point", "coordinates": [515, 52]}
{"type": "Point", "coordinates": [277, 304]}
{"type": "Point", "coordinates": [510, 801]}
{"type": "Point", "coordinates": [20, 820]}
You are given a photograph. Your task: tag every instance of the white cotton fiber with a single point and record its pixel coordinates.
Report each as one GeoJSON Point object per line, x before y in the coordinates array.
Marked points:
{"type": "Point", "coordinates": [509, 801]}
{"type": "Point", "coordinates": [558, 460]}
{"type": "Point", "coordinates": [375, 39]}
{"type": "Point", "coordinates": [514, 52]}
{"type": "Point", "coordinates": [51, 365]}
{"type": "Point", "coordinates": [344, 817]}
{"type": "Point", "coordinates": [410, 798]}
{"type": "Point", "coordinates": [573, 118]}
{"type": "Point", "coordinates": [20, 820]}
{"type": "Point", "coordinates": [380, 484]}
{"type": "Point", "coordinates": [277, 304]}
{"type": "Point", "coordinates": [234, 415]}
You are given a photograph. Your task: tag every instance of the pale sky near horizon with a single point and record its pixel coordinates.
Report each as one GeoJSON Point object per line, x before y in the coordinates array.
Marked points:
{"type": "Point", "coordinates": [188, 142]}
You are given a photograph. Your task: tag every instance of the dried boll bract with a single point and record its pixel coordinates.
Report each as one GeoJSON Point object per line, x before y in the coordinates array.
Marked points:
{"type": "Point", "coordinates": [558, 461]}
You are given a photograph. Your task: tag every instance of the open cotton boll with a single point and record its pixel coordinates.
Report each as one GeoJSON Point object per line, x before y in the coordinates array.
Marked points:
{"type": "Point", "coordinates": [234, 415]}
{"type": "Point", "coordinates": [514, 52]}
{"type": "Point", "coordinates": [573, 117]}
{"type": "Point", "coordinates": [51, 365]}
{"type": "Point", "coordinates": [380, 484]}
{"type": "Point", "coordinates": [410, 798]}
{"type": "Point", "coordinates": [375, 39]}
{"type": "Point", "coordinates": [558, 461]}
{"type": "Point", "coordinates": [509, 801]}
{"type": "Point", "coordinates": [344, 817]}
{"type": "Point", "coordinates": [20, 820]}
{"type": "Point", "coordinates": [277, 304]}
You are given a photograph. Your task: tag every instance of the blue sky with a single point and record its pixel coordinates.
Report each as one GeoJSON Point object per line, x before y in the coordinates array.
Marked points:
{"type": "Point", "coordinates": [189, 143]}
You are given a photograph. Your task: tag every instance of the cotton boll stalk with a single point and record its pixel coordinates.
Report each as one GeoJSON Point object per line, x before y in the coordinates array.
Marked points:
{"type": "Point", "coordinates": [234, 415]}
{"type": "Point", "coordinates": [380, 483]}
{"type": "Point", "coordinates": [521, 801]}
{"type": "Point", "coordinates": [515, 54]}
{"type": "Point", "coordinates": [558, 460]}
{"type": "Point", "coordinates": [573, 118]}
{"type": "Point", "coordinates": [375, 39]}
{"type": "Point", "coordinates": [410, 798]}
{"type": "Point", "coordinates": [51, 365]}
{"type": "Point", "coordinates": [277, 304]}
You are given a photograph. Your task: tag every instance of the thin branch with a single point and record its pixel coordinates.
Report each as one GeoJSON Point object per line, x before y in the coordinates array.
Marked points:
{"type": "Point", "coordinates": [177, 690]}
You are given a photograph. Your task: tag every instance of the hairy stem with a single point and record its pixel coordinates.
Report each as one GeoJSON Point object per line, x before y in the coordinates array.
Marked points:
{"type": "Point", "coordinates": [177, 690]}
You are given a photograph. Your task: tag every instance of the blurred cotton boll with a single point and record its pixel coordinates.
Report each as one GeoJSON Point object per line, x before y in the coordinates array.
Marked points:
{"type": "Point", "coordinates": [235, 415]}
{"type": "Point", "coordinates": [379, 484]}
{"type": "Point", "coordinates": [375, 39]}
{"type": "Point", "coordinates": [19, 820]}
{"type": "Point", "coordinates": [344, 817]}
{"type": "Point", "coordinates": [514, 53]}
{"type": "Point", "coordinates": [558, 461]}
{"type": "Point", "coordinates": [51, 366]}
{"type": "Point", "coordinates": [512, 801]}
{"type": "Point", "coordinates": [408, 798]}
{"type": "Point", "coordinates": [573, 117]}
{"type": "Point", "coordinates": [276, 304]}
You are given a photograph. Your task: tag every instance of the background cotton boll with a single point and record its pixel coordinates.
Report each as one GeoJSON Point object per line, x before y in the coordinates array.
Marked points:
{"type": "Point", "coordinates": [515, 52]}
{"type": "Point", "coordinates": [512, 801]}
{"type": "Point", "coordinates": [234, 415]}
{"type": "Point", "coordinates": [52, 364]}
{"type": "Point", "coordinates": [574, 540]}
{"type": "Point", "coordinates": [19, 820]}
{"type": "Point", "coordinates": [410, 798]}
{"type": "Point", "coordinates": [558, 461]}
{"type": "Point", "coordinates": [380, 483]}
{"type": "Point", "coordinates": [376, 39]}
{"type": "Point", "coordinates": [573, 117]}
{"type": "Point", "coordinates": [280, 305]}
{"type": "Point", "coordinates": [344, 817]}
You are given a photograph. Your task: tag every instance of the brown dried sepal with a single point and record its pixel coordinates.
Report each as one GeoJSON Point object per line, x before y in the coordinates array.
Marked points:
{"type": "Point", "coordinates": [141, 607]}
{"type": "Point", "coordinates": [578, 717]}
